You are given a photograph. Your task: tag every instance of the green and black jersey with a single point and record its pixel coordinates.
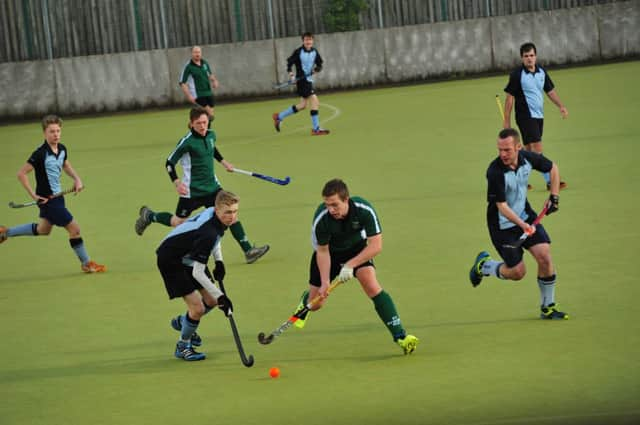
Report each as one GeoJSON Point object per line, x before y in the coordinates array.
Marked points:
{"type": "Point", "coordinates": [195, 153]}
{"type": "Point", "coordinates": [197, 78]}
{"type": "Point", "coordinates": [343, 235]}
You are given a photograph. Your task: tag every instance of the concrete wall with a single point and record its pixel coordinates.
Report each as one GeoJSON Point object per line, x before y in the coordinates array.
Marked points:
{"type": "Point", "coordinates": [352, 59]}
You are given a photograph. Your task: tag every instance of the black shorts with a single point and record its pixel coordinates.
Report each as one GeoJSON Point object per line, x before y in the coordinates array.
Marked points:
{"type": "Point", "coordinates": [304, 88]}
{"type": "Point", "coordinates": [178, 277]}
{"type": "Point", "coordinates": [337, 261]}
{"type": "Point", "coordinates": [530, 129]}
{"type": "Point", "coordinates": [503, 241]}
{"type": "Point", "coordinates": [206, 101]}
{"type": "Point", "coordinates": [188, 205]}
{"type": "Point", "coordinates": [55, 212]}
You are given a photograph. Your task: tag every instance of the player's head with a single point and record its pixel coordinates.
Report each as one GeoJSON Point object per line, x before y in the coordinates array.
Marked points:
{"type": "Point", "coordinates": [196, 53]}
{"type": "Point", "coordinates": [227, 205]}
{"type": "Point", "coordinates": [336, 198]}
{"type": "Point", "coordinates": [307, 40]}
{"type": "Point", "coordinates": [52, 128]}
{"type": "Point", "coordinates": [199, 120]}
{"type": "Point", "coordinates": [508, 146]}
{"type": "Point", "coordinates": [528, 54]}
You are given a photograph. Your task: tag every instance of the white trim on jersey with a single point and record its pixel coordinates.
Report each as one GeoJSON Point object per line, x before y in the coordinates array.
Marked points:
{"type": "Point", "coordinates": [190, 83]}
{"type": "Point", "coordinates": [373, 213]}
{"type": "Point", "coordinates": [314, 241]}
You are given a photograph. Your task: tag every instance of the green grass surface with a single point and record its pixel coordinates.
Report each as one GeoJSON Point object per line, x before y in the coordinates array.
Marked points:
{"type": "Point", "coordinates": [98, 349]}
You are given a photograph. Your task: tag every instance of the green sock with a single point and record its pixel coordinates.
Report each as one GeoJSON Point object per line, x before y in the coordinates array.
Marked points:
{"type": "Point", "coordinates": [389, 315]}
{"type": "Point", "coordinates": [238, 234]}
{"type": "Point", "coordinates": [162, 218]}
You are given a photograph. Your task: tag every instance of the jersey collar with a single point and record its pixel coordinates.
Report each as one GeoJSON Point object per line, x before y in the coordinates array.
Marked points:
{"type": "Point", "coordinates": [535, 71]}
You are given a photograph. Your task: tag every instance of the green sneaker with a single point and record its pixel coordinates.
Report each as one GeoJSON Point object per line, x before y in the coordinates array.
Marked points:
{"type": "Point", "coordinates": [302, 320]}
{"type": "Point", "coordinates": [551, 313]}
{"type": "Point", "coordinates": [408, 343]}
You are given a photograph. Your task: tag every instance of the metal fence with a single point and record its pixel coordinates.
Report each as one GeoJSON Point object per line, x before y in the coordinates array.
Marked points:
{"type": "Point", "coordinates": [47, 29]}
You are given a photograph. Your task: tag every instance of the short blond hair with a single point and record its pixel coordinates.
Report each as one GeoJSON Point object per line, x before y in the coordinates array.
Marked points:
{"type": "Point", "coordinates": [51, 119]}
{"type": "Point", "coordinates": [226, 198]}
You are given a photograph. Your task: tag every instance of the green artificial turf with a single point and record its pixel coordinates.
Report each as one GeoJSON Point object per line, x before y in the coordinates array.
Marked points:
{"type": "Point", "coordinates": [98, 349]}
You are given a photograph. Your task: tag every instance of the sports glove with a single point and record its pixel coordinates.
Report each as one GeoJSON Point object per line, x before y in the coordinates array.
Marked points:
{"type": "Point", "coordinates": [224, 304]}
{"type": "Point", "coordinates": [346, 273]}
{"type": "Point", "coordinates": [554, 201]}
{"type": "Point", "coordinates": [219, 272]}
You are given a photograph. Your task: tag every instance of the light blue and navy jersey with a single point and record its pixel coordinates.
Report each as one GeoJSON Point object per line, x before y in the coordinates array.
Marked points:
{"type": "Point", "coordinates": [528, 88]}
{"type": "Point", "coordinates": [348, 233]}
{"type": "Point", "coordinates": [48, 168]}
{"type": "Point", "coordinates": [306, 62]}
{"type": "Point", "coordinates": [510, 186]}
{"type": "Point", "coordinates": [195, 238]}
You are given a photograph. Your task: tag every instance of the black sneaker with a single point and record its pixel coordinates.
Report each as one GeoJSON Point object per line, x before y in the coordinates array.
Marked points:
{"type": "Point", "coordinates": [176, 324]}
{"type": "Point", "coordinates": [144, 220]}
{"type": "Point", "coordinates": [255, 253]}
{"type": "Point", "coordinates": [550, 313]}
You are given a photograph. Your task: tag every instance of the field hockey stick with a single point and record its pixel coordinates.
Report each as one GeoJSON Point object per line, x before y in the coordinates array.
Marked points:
{"type": "Point", "coordinates": [281, 182]}
{"type": "Point", "coordinates": [537, 221]}
{"type": "Point", "coordinates": [278, 86]}
{"type": "Point", "coordinates": [500, 109]}
{"type": "Point", "coordinates": [31, 203]}
{"type": "Point", "coordinates": [262, 339]}
{"type": "Point", "coordinates": [247, 361]}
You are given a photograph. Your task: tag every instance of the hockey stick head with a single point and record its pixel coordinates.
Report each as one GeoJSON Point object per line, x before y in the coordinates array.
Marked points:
{"type": "Point", "coordinates": [248, 362]}
{"type": "Point", "coordinates": [264, 340]}
{"type": "Point", "coordinates": [284, 181]}
{"type": "Point", "coordinates": [278, 86]}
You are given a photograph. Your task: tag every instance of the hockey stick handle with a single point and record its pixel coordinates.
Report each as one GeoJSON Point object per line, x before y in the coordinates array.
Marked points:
{"type": "Point", "coordinates": [247, 173]}
{"type": "Point", "coordinates": [31, 203]}
{"type": "Point", "coordinates": [535, 222]}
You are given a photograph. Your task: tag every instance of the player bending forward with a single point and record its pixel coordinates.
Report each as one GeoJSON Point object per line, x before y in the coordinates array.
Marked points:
{"type": "Point", "coordinates": [182, 259]}
{"type": "Point", "coordinates": [346, 235]}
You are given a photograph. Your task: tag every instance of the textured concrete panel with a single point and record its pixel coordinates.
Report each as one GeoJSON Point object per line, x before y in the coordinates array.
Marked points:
{"type": "Point", "coordinates": [561, 36]}
{"type": "Point", "coordinates": [351, 59]}
{"type": "Point", "coordinates": [619, 29]}
{"type": "Point", "coordinates": [435, 50]}
{"type": "Point", "coordinates": [112, 82]}
{"type": "Point", "coordinates": [242, 69]}
{"type": "Point", "coordinates": [27, 90]}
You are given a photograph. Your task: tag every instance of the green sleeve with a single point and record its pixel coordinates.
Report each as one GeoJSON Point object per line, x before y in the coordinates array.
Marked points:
{"type": "Point", "coordinates": [179, 151]}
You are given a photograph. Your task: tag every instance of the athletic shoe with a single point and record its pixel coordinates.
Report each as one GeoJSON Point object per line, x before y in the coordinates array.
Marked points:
{"type": "Point", "coordinates": [93, 267]}
{"type": "Point", "coordinates": [302, 320]}
{"type": "Point", "coordinates": [550, 313]}
{"type": "Point", "coordinates": [144, 220]}
{"type": "Point", "coordinates": [276, 121]}
{"type": "Point", "coordinates": [563, 185]}
{"type": "Point", "coordinates": [185, 351]}
{"type": "Point", "coordinates": [408, 344]}
{"type": "Point", "coordinates": [255, 253]}
{"type": "Point", "coordinates": [319, 132]}
{"type": "Point", "coordinates": [475, 274]}
{"type": "Point", "coordinates": [176, 323]}
{"type": "Point", "coordinates": [3, 233]}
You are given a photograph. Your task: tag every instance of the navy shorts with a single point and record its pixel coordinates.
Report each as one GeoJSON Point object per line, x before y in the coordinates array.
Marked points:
{"type": "Point", "coordinates": [178, 277]}
{"type": "Point", "coordinates": [206, 101]}
{"type": "Point", "coordinates": [188, 205]}
{"type": "Point", "coordinates": [55, 212]}
{"type": "Point", "coordinates": [304, 88]}
{"type": "Point", "coordinates": [503, 241]}
{"type": "Point", "coordinates": [337, 261]}
{"type": "Point", "coordinates": [531, 129]}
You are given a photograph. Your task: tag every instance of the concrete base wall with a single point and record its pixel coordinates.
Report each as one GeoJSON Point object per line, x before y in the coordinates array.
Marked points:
{"type": "Point", "coordinates": [353, 59]}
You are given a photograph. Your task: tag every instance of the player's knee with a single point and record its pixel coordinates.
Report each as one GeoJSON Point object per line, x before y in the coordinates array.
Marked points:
{"type": "Point", "coordinates": [43, 231]}
{"type": "Point", "coordinates": [196, 311]}
{"type": "Point", "coordinates": [518, 273]}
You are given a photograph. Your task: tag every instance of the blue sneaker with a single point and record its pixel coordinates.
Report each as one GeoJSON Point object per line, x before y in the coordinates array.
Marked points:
{"type": "Point", "coordinates": [475, 274]}
{"type": "Point", "coordinates": [185, 351]}
{"type": "Point", "coordinates": [550, 313]}
{"type": "Point", "coordinates": [176, 323]}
